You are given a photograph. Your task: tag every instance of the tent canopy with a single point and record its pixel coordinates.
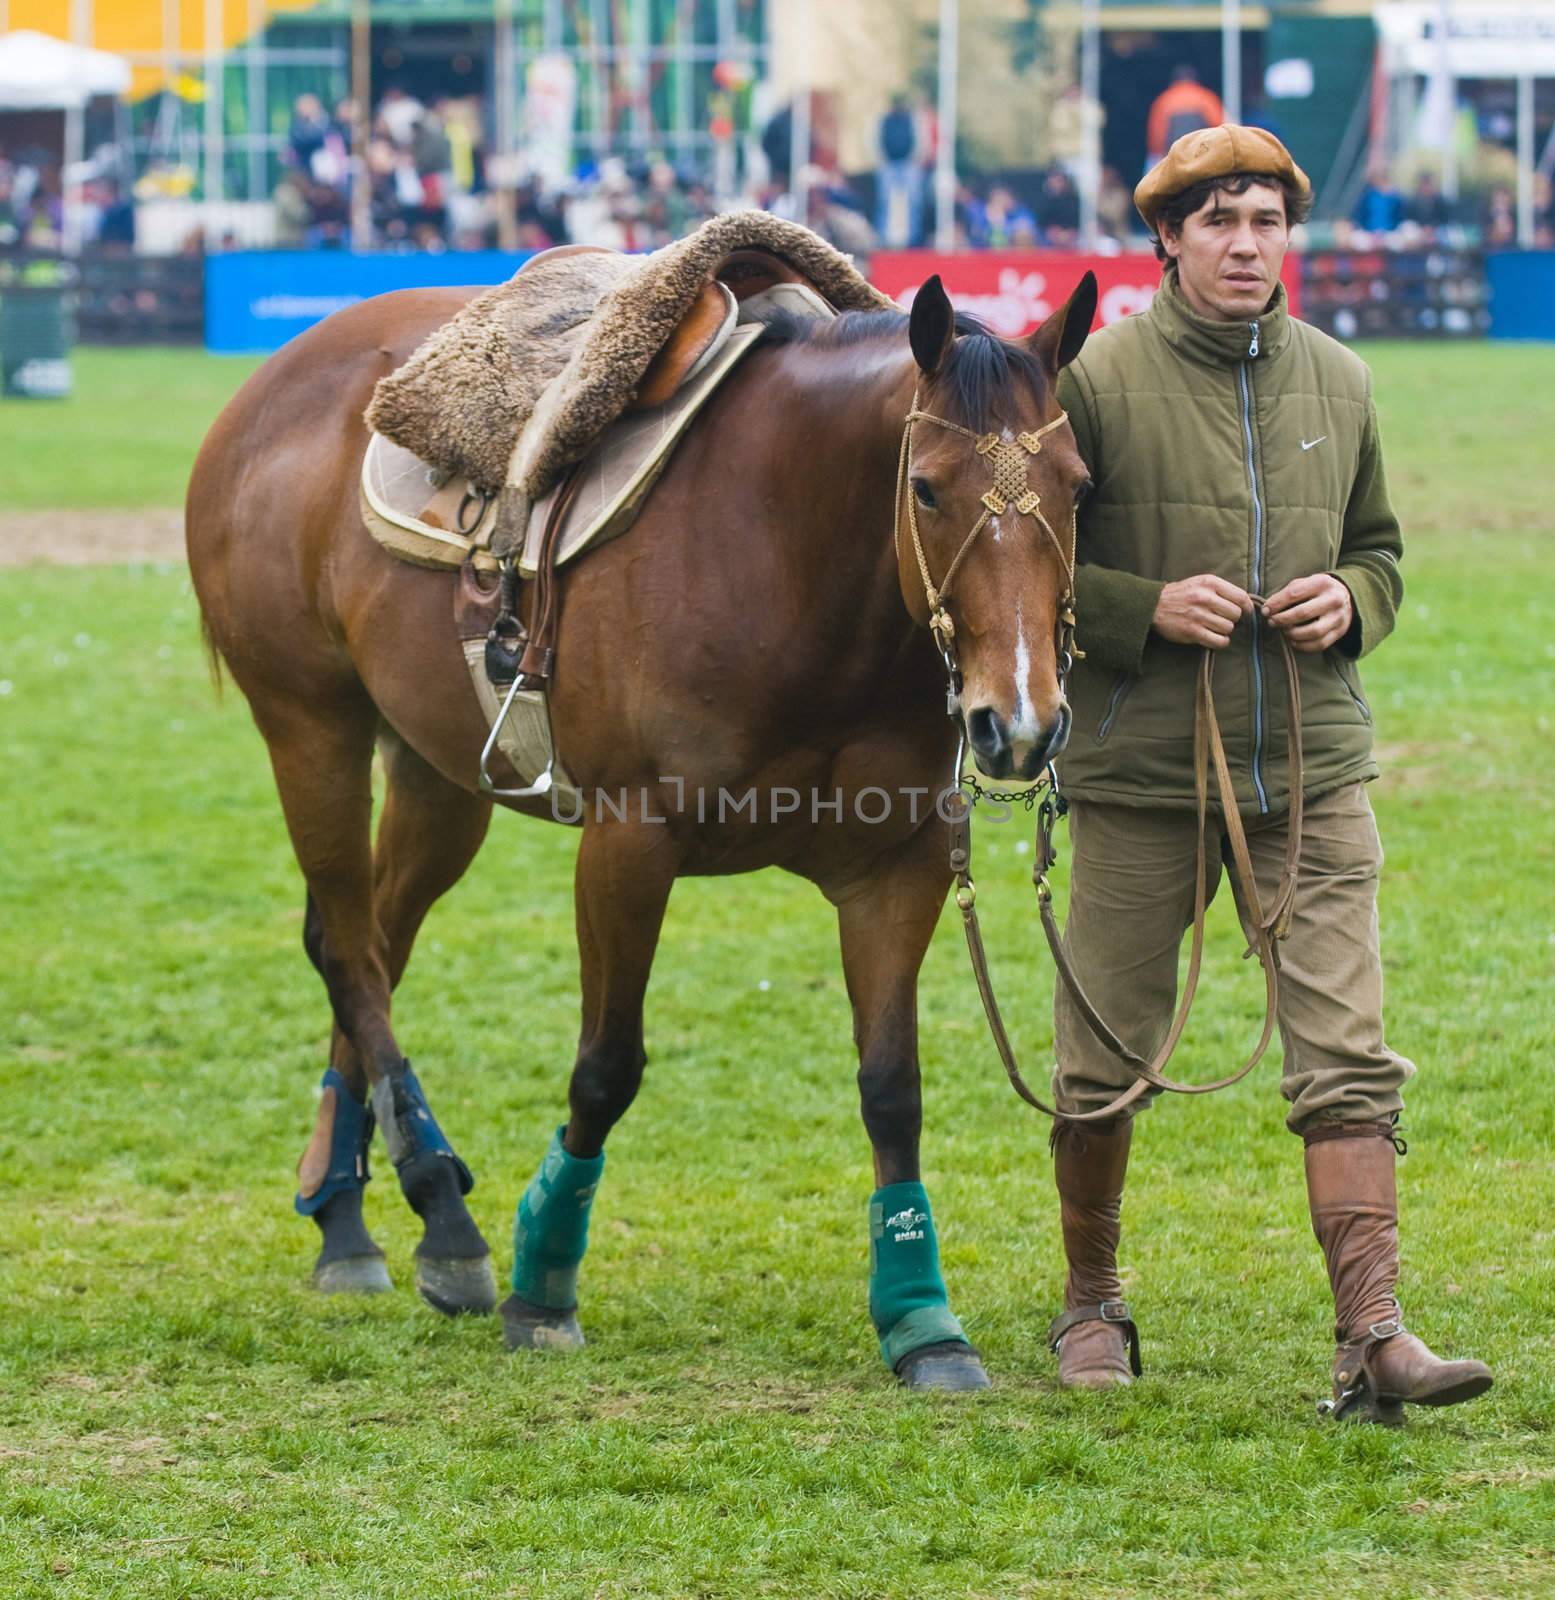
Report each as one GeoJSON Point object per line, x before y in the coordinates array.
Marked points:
{"type": "Point", "coordinates": [41, 73]}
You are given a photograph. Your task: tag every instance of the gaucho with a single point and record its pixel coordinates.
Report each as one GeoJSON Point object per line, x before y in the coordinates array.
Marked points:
{"type": "Point", "coordinates": [1238, 495]}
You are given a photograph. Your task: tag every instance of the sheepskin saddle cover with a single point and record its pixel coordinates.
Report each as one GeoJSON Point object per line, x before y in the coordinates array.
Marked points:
{"type": "Point", "coordinates": [558, 352]}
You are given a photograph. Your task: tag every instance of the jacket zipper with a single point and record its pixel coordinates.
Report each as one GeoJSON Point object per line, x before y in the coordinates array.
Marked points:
{"type": "Point", "coordinates": [1245, 386]}
{"type": "Point", "coordinates": [1119, 694]}
{"type": "Point", "coordinates": [1355, 695]}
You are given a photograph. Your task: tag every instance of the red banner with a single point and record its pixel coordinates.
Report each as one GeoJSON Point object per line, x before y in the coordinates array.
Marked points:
{"type": "Point", "coordinates": [1013, 290]}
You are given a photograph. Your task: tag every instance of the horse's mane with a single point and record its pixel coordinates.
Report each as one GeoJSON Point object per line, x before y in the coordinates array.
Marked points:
{"type": "Point", "coordinates": [980, 378]}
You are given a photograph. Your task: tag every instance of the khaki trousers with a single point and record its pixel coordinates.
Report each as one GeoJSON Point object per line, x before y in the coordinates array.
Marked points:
{"type": "Point", "coordinates": [1131, 901]}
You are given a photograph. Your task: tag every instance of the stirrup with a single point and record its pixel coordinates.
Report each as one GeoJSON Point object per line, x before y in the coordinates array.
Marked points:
{"type": "Point", "coordinates": [1113, 1311]}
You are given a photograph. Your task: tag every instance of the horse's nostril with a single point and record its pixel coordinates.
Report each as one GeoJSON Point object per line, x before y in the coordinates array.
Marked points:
{"type": "Point", "coordinates": [986, 731]}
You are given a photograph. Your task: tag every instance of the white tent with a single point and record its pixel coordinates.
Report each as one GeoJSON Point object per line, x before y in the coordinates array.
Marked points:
{"type": "Point", "coordinates": [40, 73]}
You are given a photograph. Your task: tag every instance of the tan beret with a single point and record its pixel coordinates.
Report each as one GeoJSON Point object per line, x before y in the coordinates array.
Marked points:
{"type": "Point", "coordinates": [1214, 153]}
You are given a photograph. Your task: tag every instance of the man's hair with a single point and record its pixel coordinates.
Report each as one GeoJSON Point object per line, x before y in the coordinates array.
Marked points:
{"type": "Point", "coordinates": [1176, 211]}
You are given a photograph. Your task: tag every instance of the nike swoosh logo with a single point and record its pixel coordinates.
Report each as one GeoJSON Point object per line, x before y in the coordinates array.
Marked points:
{"type": "Point", "coordinates": [1314, 443]}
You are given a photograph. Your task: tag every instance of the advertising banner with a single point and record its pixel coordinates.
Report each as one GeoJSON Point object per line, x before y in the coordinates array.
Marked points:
{"type": "Point", "coordinates": [1014, 290]}
{"type": "Point", "coordinates": [255, 300]}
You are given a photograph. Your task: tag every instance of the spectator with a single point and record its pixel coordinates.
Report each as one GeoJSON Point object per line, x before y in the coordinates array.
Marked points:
{"type": "Point", "coordinates": [10, 214]}
{"type": "Point", "coordinates": [899, 177]}
{"type": "Point", "coordinates": [1058, 210]}
{"type": "Point", "coordinates": [400, 112]}
{"type": "Point", "coordinates": [1001, 222]}
{"type": "Point", "coordinates": [1543, 212]}
{"type": "Point", "coordinates": [293, 210]}
{"type": "Point", "coordinates": [1380, 207]}
{"type": "Point", "coordinates": [1428, 207]}
{"type": "Point", "coordinates": [432, 153]}
{"type": "Point", "coordinates": [1184, 106]}
{"type": "Point", "coordinates": [1500, 219]}
{"type": "Point", "coordinates": [1114, 206]}
{"type": "Point", "coordinates": [310, 127]}
{"type": "Point", "coordinates": [116, 227]}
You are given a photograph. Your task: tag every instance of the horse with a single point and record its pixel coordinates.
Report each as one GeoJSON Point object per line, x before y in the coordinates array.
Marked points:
{"type": "Point", "coordinates": [761, 629]}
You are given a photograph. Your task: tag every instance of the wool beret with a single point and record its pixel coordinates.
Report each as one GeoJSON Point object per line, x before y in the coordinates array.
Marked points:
{"type": "Point", "coordinates": [1214, 153]}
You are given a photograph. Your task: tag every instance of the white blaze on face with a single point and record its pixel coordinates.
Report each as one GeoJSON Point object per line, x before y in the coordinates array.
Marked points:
{"type": "Point", "coordinates": [1026, 727]}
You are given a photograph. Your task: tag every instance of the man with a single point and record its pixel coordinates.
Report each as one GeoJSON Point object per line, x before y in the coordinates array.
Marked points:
{"type": "Point", "coordinates": [898, 178]}
{"type": "Point", "coordinates": [1428, 207]}
{"type": "Point", "coordinates": [1238, 495]}
{"type": "Point", "coordinates": [1181, 108]}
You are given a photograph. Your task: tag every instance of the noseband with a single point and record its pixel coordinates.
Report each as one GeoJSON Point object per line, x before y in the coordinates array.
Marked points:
{"type": "Point", "coordinates": [1009, 462]}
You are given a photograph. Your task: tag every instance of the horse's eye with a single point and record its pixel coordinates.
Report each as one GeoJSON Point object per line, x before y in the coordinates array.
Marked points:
{"type": "Point", "coordinates": [923, 494]}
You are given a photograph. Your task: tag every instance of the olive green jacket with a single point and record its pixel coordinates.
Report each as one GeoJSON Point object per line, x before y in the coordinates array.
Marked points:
{"type": "Point", "coordinates": [1244, 449]}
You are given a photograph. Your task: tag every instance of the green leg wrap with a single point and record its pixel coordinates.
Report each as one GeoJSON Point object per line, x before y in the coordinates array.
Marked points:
{"type": "Point", "coordinates": [907, 1300]}
{"type": "Point", "coordinates": [551, 1229]}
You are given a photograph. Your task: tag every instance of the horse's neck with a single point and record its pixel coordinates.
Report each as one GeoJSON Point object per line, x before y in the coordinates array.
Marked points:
{"type": "Point", "coordinates": [832, 422]}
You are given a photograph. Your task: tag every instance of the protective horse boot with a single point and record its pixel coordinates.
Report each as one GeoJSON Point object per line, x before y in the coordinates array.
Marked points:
{"type": "Point", "coordinates": [1095, 1337]}
{"type": "Point", "coordinates": [1378, 1365]}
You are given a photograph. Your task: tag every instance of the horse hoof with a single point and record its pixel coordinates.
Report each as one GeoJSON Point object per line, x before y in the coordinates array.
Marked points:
{"type": "Point", "coordinates": [527, 1327]}
{"type": "Point", "coordinates": [457, 1285]}
{"type": "Point", "coordinates": [951, 1368]}
{"type": "Point", "coordinates": [353, 1275]}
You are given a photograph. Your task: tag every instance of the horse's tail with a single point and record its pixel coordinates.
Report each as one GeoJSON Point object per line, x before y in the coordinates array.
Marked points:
{"type": "Point", "coordinates": [212, 654]}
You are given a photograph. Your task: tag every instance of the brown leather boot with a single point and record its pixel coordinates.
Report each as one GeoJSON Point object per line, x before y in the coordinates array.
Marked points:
{"type": "Point", "coordinates": [1378, 1365]}
{"type": "Point", "coordinates": [1096, 1340]}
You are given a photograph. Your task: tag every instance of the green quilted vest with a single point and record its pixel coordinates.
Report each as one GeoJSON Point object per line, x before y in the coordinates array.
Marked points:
{"type": "Point", "coordinates": [1244, 449]}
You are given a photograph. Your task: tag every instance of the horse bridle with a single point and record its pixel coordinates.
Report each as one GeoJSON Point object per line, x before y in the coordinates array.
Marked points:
{"type": "Point", "coordinates": [1010, 461]}
{"type": "Point", "coordinates": [1011, 491]}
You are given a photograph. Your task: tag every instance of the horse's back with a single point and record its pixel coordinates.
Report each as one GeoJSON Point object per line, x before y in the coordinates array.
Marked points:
{"type": "Point", "coordinates": [271, 514]}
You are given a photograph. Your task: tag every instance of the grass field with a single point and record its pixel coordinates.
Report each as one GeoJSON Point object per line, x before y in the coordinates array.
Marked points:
{"type": "Point", "coordinates": [181, 1416]}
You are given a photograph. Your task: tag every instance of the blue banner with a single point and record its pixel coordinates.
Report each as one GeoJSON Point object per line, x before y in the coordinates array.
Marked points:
{"type": "Point", "coordinates": [255, 300]}
{"type": "Point", "coordinates": [1522, 294]}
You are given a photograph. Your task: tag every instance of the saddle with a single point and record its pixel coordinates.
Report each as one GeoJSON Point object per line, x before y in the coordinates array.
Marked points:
{"type": "Point", "coordinates": [629, 351]}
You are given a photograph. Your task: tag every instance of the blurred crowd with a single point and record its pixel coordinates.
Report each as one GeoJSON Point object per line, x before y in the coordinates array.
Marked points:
{"type": "Point", "coordinates": [433, 185]}
{"type": "Point", "coordinates": [433, 188]}
{"type": "Point", "coordinates": [1385, 214]}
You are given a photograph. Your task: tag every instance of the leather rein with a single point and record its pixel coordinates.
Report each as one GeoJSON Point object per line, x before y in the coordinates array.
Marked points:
{"type": "Point", "coordinates": [1012, 492]}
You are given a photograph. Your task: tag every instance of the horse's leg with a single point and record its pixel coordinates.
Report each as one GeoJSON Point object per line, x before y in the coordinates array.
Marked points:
{"type": "Point", "coordinates": [624, 875]}
{"type": "Point", "coordinates": [886, 922]}
{"type": "Point", "coordinates": [322, 757]}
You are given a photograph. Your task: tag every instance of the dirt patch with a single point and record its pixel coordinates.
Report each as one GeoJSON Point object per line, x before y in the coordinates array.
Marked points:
{"type": "Point", "coordinates": [90, 538]}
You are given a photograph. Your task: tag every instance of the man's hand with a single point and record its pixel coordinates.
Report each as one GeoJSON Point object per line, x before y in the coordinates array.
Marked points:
{"type": "Point", "coordinates": [1314, 612]}
{"type": "Point", "coordinates": [1201, 611]}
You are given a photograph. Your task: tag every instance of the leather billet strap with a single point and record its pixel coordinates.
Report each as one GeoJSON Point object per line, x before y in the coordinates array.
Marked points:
{"type": "Point", "coordinates": [1114, 1311]}
{"type": "Point", "coordinates": [1268, 926]}
{"type": "Point", "coordinates": [539, 658]}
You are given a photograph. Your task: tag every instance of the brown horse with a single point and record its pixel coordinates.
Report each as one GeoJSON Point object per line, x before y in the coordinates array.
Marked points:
{"type": "Point", "coordinates": [757, 630]}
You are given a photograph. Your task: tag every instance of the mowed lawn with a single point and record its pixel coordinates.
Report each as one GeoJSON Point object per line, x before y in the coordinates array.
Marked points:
{"type": "Point", "coordinates": [180, 1415]}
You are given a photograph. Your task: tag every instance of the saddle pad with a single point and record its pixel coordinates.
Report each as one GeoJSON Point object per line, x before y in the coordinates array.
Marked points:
{"type": "Point", "coordinates": [616, 476]}
{"type": "Point", "coordinates": [396, 486]}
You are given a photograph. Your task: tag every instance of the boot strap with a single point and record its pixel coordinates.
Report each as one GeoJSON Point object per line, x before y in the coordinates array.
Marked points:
{"type": "Point", "coordinates": [1354, 1381]}
{"type": "Point", "coordinates": [1113, 1311]}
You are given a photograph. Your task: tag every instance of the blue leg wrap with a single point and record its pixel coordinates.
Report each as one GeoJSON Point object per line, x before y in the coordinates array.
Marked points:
{"type": "Point", "coordinates": [409, 1128]}
{"type": "Point", "coordinates": [551, 1229]}
{"type": "Point", "coordinates": [350, 1135]}
{"type": "Point", "coordinates": [907, 1300]}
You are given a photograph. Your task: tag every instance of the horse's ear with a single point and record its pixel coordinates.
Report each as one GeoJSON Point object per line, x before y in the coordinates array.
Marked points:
{"type": "Point", "coordinates": [931, 330]}
{"type": "Point", "coordinates": [1058, 341]}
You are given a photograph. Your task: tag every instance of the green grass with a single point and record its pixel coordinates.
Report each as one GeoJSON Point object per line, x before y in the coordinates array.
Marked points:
{"type": "Point", "coordinates": [125, 437]}
{"type": "Point", "coordinates": [181, 1416]}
